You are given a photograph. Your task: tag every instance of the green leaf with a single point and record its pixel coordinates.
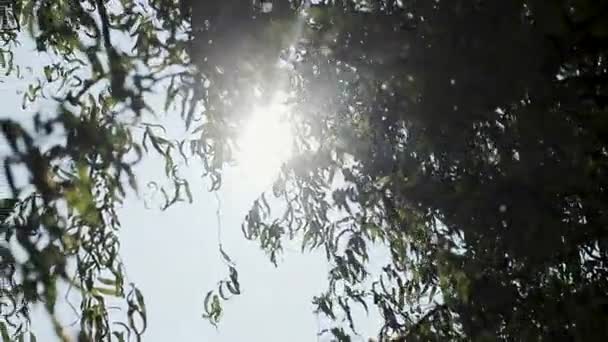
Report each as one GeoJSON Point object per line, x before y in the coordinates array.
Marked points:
{"type": "Point", "coordinates": [4, 332]}
{"type": "Point", "coordinates": [226, 256]}
{"type": "Point", "coordinates": [234, 285]}
{"type": "Point", "coordinates": [105, 291]}
{"type": "Point", "coordinates": [48, 72]}
{"type": "Point", "coordinates": [119, 335]}
{"type": "Point", "coordinates": [206, 301]}
{"type": "Point", "coordinates": [340, 335]}
{"type": "Point", "coordinates": [106, 281]}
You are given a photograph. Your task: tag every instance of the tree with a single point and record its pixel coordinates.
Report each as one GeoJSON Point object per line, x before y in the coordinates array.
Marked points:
{"type": "Point", "coordinates": [460, 122]}
{"type": "Point", "coordinates": [467, 138]}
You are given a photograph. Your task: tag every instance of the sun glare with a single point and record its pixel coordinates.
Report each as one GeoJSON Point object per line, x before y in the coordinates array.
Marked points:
{"type": "Point", "coordinates": [265, 142]}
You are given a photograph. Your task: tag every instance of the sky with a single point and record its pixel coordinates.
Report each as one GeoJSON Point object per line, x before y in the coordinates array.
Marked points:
{"type": "Point", "coordinates": [173, 255]}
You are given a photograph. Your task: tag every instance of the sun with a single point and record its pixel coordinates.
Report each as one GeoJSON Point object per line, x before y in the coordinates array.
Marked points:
{"type": "Point", "coordinates": [266, 142]}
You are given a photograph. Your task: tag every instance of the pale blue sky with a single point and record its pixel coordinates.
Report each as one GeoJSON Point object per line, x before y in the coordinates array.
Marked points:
{"type": "Point", "coordinates": [173, 256]}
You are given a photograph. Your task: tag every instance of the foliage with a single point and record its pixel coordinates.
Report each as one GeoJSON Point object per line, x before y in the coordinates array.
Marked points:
{"type": "Point", "coordinates": [468, 138]}
{"type": "Point", "coordinates": [68, 225]}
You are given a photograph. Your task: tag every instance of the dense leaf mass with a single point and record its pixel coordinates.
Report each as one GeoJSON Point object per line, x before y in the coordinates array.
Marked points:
{"type": "Point", "coordinates": [467, 139]}
{"type": "Point", "coordinates": [470, 139]}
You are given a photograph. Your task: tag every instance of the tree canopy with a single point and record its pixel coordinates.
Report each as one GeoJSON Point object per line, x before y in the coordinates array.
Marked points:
{"type": "Point", "coordinates": [467, 138]}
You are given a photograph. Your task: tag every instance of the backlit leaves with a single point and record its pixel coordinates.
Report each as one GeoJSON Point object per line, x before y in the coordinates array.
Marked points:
{"type": "Point", "coordinates": [84, 174]}
{"type": "Point", "coordinates": [467, 140]}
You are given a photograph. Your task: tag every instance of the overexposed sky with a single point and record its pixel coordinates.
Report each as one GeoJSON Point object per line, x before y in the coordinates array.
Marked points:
{"type": "Point", "coordinates": [173, 255]}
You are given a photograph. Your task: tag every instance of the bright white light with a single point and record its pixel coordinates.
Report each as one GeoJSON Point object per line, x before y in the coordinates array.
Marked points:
{"type": "Point", "coordinates": [265, 143]}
